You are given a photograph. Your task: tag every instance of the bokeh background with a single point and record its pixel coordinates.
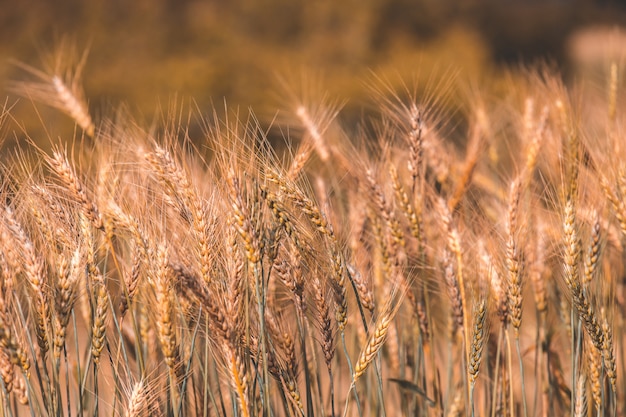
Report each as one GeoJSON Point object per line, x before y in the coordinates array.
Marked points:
{"type": "Point", "coordinates": [147, 53]}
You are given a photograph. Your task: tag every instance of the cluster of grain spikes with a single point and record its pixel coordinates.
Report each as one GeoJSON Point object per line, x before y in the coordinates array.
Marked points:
{"type": "Point", "coordinates": [151, 273]}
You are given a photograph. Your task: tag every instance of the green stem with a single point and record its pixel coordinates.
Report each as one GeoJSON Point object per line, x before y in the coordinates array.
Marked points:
{"type": "Point", "coordinates": [356, 394]}
{"type": "Point", "coordinates": [510, 362]}
{"type": "Point", "coordinates": [521, 370]}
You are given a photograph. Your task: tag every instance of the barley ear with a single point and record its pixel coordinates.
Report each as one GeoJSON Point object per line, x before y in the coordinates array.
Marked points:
{"type": "Point", "coordinates": [479, 334]}
{"type": "Point", "coordinates": [99, 322]}
{"type": "Point", "coordinates": [374, 344]}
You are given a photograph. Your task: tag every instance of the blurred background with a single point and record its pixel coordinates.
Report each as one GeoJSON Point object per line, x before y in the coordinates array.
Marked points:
{"type": "Point", "coordinates": [146, 52]}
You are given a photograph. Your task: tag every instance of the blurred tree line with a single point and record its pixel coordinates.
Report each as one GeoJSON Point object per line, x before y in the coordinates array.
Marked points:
{"type": "Point", "coordinates": [144, 51]}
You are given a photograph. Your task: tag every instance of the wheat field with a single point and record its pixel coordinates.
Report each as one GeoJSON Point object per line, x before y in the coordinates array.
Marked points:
{"type": "Point", "coordinates": [390, 268]}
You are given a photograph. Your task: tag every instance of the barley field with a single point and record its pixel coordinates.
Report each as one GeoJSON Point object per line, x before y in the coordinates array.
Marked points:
{"type": "Point", "coordinates": [417, 263]}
